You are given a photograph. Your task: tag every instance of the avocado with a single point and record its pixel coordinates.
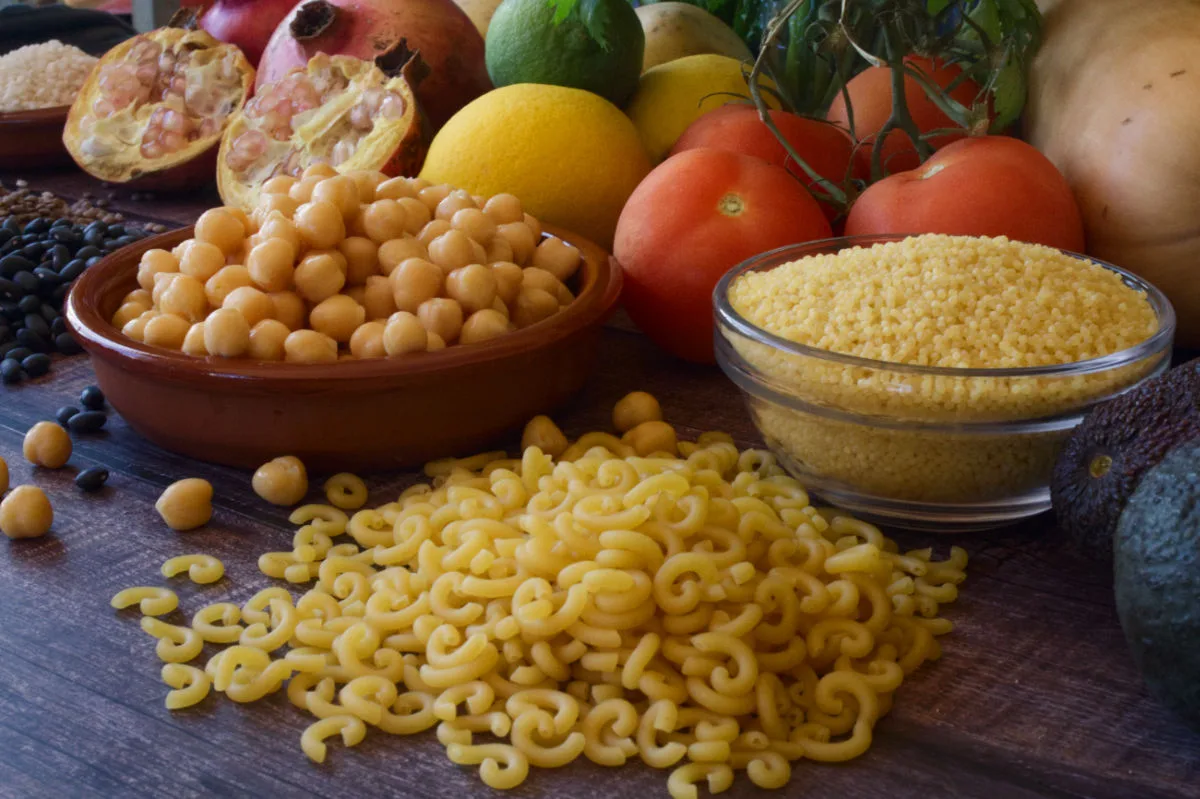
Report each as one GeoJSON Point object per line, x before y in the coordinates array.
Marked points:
{"type": "Point", "coordinates": [1156, 564]}
{"type": "Point", "coordinates": [1106, 456]}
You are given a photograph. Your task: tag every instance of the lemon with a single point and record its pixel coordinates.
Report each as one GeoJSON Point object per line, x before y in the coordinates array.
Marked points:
{"type": "Point", "coordinates": [673, 95]}
{"type": "Point", "coordinates": [571, 156]}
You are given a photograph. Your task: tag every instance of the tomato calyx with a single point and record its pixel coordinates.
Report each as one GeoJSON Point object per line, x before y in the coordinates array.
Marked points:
{"type": "Point", "coordinates": [731, 205]}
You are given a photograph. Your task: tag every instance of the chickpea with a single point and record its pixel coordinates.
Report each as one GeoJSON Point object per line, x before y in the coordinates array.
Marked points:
{"type": "Point", "coordinates": [341, 191]}
{"type": "Point", "coordinates": [162, 281]}
{"type": "Point", "coordinates": [509, 277]}
{"type": "Point", "coordinates": [403, 334]}
{"type": "Point", "coordinates": [434, 342]}
{"type": "Point", "coordinates": [383, 220]}
{"type": "Point", "coordinates": [337, 317]}
{"type": "Point", "coordinates": [520, 238]}
{"type": "Point", "coordinates": [277, 204]}
{"type": "Point", "coordinates": [47, 444]}
{"type": "Point", "coordinates": [393, 253]}
{"type": "Point", "coordinates": [319, 170]}
{"type": "Point", "coordinates": [415, 281]}
{"type": "Point", "coordinates": [534, 226]}
{"type": "Point", "coordinates": [3, 476]}
{"type": "Point", "coordinates": [651, 437]}
{"type": "Point", "coordinates": [367, 341]}
{"type": "Point", "coordinates": [127, 313]}
{"type": "Point", "coordinates": [247, 225]}
{"type": "Point", "coordinates": [473, 286]}
{"type": "Point", "coordinates": [270, 264]}
{"type": "Point", "coordinates": [368, 182]}
{"type": "Point", "coordinates": [226, 333]}
{"type": "Point", "coordinates": [356, 293]}
{"type": "Point", "coordinates": [395, 189]}
{"type": "Point", "coordinates": [26, 513]}
{"type": "Point", "coordinates": [441, 316]}
{"type": "Point", "coordinates": [476, 224]}
{"type": "Point", "coordinates": [280, 184]}
{"type": "Point", "coordinates": [418, 183]}
{"type": "Point", "coordinates": [136, 329]}
{"type": "Point", "coordinates": [140, 296]}
{"type": "Point", "coordinates": [282, 481]}
{"type": "Point", "coordinates": [453, 202]}
{"type": "Point", "coordinates": [320, 224]}
{"type": "Point", "coordinates": [289, 309]}
{"type": "Point", "coordinates": [167, 331]}
{"type": "Point", "coordinates": [202, 260]}
{"type": "Point", "coordinates": [557, 257]}
{"type": "Point", "coordinates": [362, 259]}
{"type": "Point", "coordinates": [155, 262]}
{"type": "Point", "coordinates": [185, 297]}
{"type": "Point", "coordinates": [186, 505]}
{"type": "Point", "coordinates": [543, 433]}
{"type": "Point", "coordinates": [222, 283]}
{"type": "Point", "coordinates": [432, 196]}
{"type": "Point", "coordinates": [220, 226]}
{"type": "Point", "coordinates": [416, 214]}
{"type": "Point", "coordinates": [318, 277]}
{"type": "Point", "coordinates": [309, 346]}
{"type": "Point", "coordinates": [432, 230]}
{"type": "Point", "coordinates": [278, 226]}
{"type": "Point", "coordinates": [266, 340]}
{"type": "Point", "coordinates": [504, 209]}
{"type": "Point", "coordinates": [377, 298]}
{"type": "Point", "coordinates": [452, 250]}
{"type": "Point", "coordinates": [483, 325]}
{"type": "Point", "coordinates": [302, 190]}
{"type": "Point", "coordinates": [193, 342]}
{"type": "Point", "coordinates": [499, 250]}
{"type": "Point", "coordinates": [634, 409]}
{"type": "Point", "coordinates": [252, 303]}
{"type": "Point", "coordinates": [532, 306]}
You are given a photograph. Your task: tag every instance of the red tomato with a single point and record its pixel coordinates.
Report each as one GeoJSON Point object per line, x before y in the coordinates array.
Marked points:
{"type": "Point", "coordinates": [981, 186]}
{"type": "Point", "coordinates": [694, 217]}
{"type": "Point", "coordinates": [871, 99]}
{"type": "Point", "coordinates": [823, 146]}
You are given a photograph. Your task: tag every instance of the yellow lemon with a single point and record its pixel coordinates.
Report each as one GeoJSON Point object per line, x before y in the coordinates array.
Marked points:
{"type": "Point", "coordinates": [673, 95]}
{"type": "Point", "coordinates": [571, 157]}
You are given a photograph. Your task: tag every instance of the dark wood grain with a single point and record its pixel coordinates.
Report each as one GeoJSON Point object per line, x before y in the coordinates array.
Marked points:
{"type": "Point", "coordinates": [1036, 695]}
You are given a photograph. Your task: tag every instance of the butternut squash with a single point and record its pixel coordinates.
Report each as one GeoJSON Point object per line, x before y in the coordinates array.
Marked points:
{"type": "Point", "coordinates": [1114, 102]}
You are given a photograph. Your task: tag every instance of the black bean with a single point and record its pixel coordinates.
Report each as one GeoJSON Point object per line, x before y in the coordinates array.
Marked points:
{"type": "Point", "coordinates": [49, 313]}
{"type": "Point", "coordinates": [35, 251]}
{"type": "Point", "coordinates": [6, 348]}
{"type": "Point", "coordinates": [94, 237]}
{"type": "Point", "coordinates": [12, 264]}
{"type": "Point", "coordinates": [47, 276]}
{"type": "Point", "coordinates": [125, 241]}
{"type": "Point", "coordinates": [10, 311]}
{"type": "Point", "coordinates": [73, 269]}
{"type": "Point", "coordinates": [10, 290]}
{"type": "Point", "coordinates": [33, 340]}
{"type": "Point", "coordinates": [95, 259]}
{"type": "Point", "coordinates": [34, 322]}
{"type": "Point", "coordinates": [5, 235]}
{"type": "Point", "coordinates": [30, 303]}
{"type": "Point", "coordinates": [36, 365]}
{"type": "Point", "coordinates": [87, 251]}
{"type": "Point", "coordinates": [60, 293]}
{"type": "Point", "coordinates": [92, 479]}
{"type": "Point", "coordinates": [10, 371]}
{"type": "Point", "coordinates": [116, 230]}
{"type": "Point", "coordinates": [19, 353]}
{"type": "Point", "coordinates": [58, 325]}
{"type": "Point", "coordinates": [64, 414]}
{"type": "Point", "coordinates": [59, 222]}
{"type": "Point", "coordinates": [87, 422]}
{"type": "Point", "coordinates": [66, 344]}
{"type": "Point", "coordinates": [39, 225]}
{"type": "Point", "coordinates": [66, 235]}
{"type": "Point", "coordinates": [59, 256]}
{"type": "Point", "coordinates": [92, 398]}
{"type": "Point", "coordinates": [11, 225]}
{"type": "Point", "coordinates": [27, 281]}
{"type": "Point", "coordinates": [5, 335]}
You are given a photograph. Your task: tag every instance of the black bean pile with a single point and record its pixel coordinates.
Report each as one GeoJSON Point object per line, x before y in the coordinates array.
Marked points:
{"type": "Point", "coordinates": [39, 260]}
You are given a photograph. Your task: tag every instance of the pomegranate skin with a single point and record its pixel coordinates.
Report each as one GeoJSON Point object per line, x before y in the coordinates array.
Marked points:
{"type": "Point", "coordinates": [246, 23]}
{"type": "Point", "coordinates": [439, 30]}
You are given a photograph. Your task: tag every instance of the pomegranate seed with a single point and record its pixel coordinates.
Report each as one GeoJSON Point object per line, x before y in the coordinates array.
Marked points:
{"type": "Point", "coordinates": [151, 150]}
{"type": "Point", "coordinates": [342, 151]}
{"type": "Point", "coordinates": [360, 117]}
{"type": "Point", "coordinates": [393, 106]}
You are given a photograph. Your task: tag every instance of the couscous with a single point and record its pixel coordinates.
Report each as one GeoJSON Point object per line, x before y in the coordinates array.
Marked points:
{"type": "Point", "coordinates": [45, 75]}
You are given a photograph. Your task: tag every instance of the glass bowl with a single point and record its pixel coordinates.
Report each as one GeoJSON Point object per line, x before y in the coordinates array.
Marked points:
{"type": "Point", "coordinates": [929, 448]}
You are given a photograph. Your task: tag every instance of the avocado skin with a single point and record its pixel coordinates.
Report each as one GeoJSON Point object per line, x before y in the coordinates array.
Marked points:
{"type": "Point", "coordinates": [1156, 564]}
{"type": "Point", "coordinates": [1136, 430]}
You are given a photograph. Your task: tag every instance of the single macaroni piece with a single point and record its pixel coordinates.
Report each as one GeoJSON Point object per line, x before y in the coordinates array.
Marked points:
{"type": "Point", "coordinates": [151, 600]}
{"type": "Point", "coordinates": [686, 606]}
{"type": "Point", "coordinates": [201, 569]}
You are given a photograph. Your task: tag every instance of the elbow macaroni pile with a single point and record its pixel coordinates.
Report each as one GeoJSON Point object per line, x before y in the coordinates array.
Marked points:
{"type": "Point", "coordinates": [695, 611]}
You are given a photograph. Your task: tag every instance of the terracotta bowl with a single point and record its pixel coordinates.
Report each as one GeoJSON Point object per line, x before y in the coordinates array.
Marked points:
{"type": "Point", "coordinates": [367, 415]}
{"type": "Point", "coordinates": [33, 139]}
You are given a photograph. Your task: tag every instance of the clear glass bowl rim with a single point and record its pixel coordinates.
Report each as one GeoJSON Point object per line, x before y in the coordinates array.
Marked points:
{"type": "Point", "coordinates": [728, 317]}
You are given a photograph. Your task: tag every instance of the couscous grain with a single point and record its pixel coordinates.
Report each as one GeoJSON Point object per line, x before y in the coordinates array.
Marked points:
{"type": "Point", "coordinates": [43, 75]}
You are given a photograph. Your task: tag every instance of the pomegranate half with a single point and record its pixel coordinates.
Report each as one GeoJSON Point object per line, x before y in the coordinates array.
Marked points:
{"type": "Point", "coordinates": [154, 108]}
{"type": "Point", "coordinates": [337, 110]}
{"type": "Point", "coordinates": [438, 30]}
{"type": "Point", "coordinates": [246, 23]}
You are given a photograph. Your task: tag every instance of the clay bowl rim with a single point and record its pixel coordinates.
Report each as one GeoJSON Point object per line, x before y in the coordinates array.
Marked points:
{"type": "Point", "coordinates": [602, 279]}
{"type": "Point", "coordinates": [36, 116]}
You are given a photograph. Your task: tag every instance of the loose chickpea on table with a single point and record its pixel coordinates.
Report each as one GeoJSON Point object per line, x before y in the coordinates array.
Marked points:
{"type": "Point", "coordinates": [333, 267]}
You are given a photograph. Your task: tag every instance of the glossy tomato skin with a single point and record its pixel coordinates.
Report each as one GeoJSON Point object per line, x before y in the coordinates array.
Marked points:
{"type": "Point", "coordinates": [871, 99]}
{"type": "Point", "coordinates": [980, 186]}
{"type": "Point", "coordinates": [824, 146]}
{"type": "Point", "coordinates": [694, 217]}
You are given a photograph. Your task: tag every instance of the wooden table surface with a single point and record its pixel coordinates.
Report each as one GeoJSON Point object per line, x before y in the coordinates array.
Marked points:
{"type": "Point", "coordinates": [1036, 694]}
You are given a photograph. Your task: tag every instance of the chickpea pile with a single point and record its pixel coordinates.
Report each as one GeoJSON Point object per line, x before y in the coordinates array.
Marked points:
{"type": "Point", "coordinates": [358, 265]}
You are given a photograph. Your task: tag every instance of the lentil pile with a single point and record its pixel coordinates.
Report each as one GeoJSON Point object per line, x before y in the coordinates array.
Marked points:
{"type": "Point", "coordinates": [43, 75]}
{"type": "Point", "coordinates": [934, 301]}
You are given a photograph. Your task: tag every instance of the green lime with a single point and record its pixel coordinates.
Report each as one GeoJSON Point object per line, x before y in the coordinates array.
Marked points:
{"type": "Point", "coordinates": [598, 50]}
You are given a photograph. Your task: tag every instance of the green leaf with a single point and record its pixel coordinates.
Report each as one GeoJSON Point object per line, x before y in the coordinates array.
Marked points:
{"type": "Point", "coordinates": [597, 18]}
{"type": "Point", "coordinates": [1008, 94]}
{"type": "Point", "coordinates": [935, 7]}
{"type": "Point", "coordinates": [562, 9]}
{"type": "Point", "coordinates": [988, 18]}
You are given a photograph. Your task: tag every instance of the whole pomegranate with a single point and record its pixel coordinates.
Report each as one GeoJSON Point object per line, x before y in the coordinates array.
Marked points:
{"type": "Point", "coordinates": [245, 23]}
{"type": "Point", "coordinates": [438, 30]}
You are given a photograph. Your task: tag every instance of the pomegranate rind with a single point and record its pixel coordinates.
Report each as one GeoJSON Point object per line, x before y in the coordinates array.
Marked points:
{"type": "Point", "coordinates": [394, 146]}
{"type": "Point", "coordinates": [126, 163]}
